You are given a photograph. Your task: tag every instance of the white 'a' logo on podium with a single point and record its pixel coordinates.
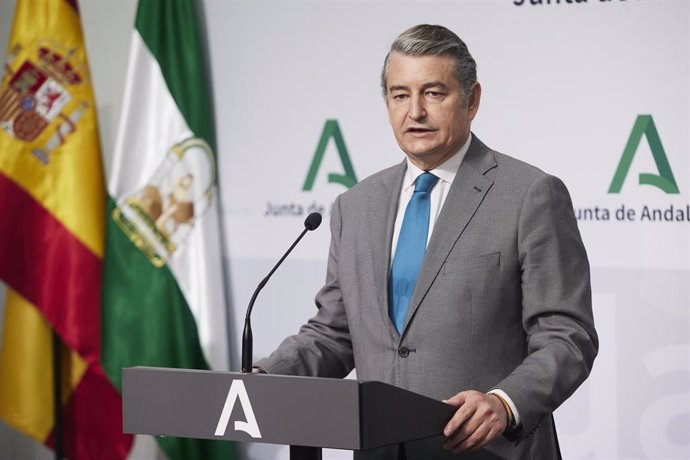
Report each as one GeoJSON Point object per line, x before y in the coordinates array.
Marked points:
{"type": "Point", "coordinates": [238, 391]}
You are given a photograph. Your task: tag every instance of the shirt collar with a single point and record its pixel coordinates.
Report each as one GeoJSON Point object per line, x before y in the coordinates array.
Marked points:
{"type": "Point", "coordinates": [446, 171]}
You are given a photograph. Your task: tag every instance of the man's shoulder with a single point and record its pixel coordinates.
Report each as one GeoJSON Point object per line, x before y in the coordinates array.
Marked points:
{"type": "Point", "coordinates": [498, 165]}
{"type": "Point", "coordinates": [383, 179]}
{"type": "Point", "coordinates": [384, 176]}
{"type": "Point", "coordinates": [510, 175]}
{"type": "Point", "coordinates": [517, 175]}
{"type": "Point", "coordinates": [517, 181]}
{"type": "Point", "coordinates": [515, 167]}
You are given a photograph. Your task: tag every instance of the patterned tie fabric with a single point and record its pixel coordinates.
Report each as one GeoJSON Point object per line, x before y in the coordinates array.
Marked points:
{"type": "Point", "coordinates": [410, 250]}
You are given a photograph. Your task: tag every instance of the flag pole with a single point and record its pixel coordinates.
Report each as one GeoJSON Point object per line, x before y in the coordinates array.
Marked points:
{"type": "Point", "coordinates": [57, 396]}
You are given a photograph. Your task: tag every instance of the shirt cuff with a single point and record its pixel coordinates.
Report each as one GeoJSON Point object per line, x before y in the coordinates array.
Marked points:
{"type": "Point", "coordinates": [507, 399]}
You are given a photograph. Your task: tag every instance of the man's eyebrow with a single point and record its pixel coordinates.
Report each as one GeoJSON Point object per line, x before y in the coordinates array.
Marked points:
{"type": "Point", "coordinates": [398, 88]}
{"type": "Point", "coordinates": [431, 84]}
{"type": "Point", "coordinates": [435, 84]}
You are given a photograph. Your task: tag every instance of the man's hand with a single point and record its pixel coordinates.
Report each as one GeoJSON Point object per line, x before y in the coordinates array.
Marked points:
{"type": "Point", "coordinates": [479, 419]}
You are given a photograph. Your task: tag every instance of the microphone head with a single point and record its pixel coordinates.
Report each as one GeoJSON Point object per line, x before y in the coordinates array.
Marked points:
{"type": "Point", "coordinates": [312, 221]}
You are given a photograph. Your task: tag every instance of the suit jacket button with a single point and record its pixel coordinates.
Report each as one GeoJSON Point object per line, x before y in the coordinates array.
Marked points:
{"type": "Point", "coordinates": [403, 352]}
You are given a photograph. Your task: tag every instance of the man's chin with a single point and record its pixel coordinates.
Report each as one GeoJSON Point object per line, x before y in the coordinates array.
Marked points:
{"type": "Point", "coordinates": [424, 160]}
{"type": "Point", "coordinates": [420, 151]}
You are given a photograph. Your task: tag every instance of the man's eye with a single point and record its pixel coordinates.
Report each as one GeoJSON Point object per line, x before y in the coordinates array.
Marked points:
{"type": "Point", "coordinates": [399, 97]}
{"type": "Point", "coordinates": [434, 94]}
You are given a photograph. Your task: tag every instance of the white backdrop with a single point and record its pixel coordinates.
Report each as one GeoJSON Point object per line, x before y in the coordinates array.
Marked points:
{"type": "Point", "coordinates": [563, 86]}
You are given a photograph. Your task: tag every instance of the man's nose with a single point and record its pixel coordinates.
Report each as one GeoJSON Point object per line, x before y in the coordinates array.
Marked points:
{"type": "Point", "coordinates": [417, 109]}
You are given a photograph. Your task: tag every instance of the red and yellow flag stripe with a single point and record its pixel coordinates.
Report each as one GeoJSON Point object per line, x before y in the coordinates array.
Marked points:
{"type": "Point", "coordinates": [52, 203]}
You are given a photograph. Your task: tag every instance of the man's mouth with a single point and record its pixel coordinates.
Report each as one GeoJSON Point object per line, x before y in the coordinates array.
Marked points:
{"type": "Point", "coordinates": [419, 130]}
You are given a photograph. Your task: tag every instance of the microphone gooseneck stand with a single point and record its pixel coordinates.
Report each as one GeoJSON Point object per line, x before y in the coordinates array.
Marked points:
{"type": "Point", "coordinates": [312, 222]}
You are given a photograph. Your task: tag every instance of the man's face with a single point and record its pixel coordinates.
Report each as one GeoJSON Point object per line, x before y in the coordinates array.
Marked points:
{"type": "Point", "coordinates": [427, 107]}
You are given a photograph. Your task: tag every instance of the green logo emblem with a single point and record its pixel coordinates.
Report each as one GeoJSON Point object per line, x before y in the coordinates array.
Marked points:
{"type": "Point", "coordinates": [331, 130]}
{"type": "Point", "coordinates": [644, 125]}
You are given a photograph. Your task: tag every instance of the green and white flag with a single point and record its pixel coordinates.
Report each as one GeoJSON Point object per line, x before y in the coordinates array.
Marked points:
{"type": "Point", "coordinates": [163, 297]}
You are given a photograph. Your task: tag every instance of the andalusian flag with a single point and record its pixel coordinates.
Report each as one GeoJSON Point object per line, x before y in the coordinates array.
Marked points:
{"type": "Point", "coordinates": [52, 206]}
{"type": "Point", "coordinates": [163, 302]}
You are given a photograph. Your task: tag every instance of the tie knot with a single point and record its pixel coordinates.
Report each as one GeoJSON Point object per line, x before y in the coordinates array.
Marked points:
{"type": "Point", "coordinates": [425, 182]}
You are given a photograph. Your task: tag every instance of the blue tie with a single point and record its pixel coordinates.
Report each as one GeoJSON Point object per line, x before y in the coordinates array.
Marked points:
{"type": "Point", "coordinates": [410, 250]}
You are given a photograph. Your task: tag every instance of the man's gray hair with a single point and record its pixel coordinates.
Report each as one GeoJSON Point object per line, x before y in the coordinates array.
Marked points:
{"type": "Point", "coordinates": [433, 40]}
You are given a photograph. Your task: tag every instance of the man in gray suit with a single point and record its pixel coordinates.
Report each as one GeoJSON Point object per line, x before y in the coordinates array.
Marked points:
{"type": "Point", "coordinates": [459, 273]}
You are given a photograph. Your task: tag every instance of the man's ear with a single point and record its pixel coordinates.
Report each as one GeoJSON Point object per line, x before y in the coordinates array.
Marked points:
{"type": "Point", "coordinates": [475, 98]}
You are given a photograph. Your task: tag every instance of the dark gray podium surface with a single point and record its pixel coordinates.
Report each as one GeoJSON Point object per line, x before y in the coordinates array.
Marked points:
{"type": "Point", "coordinates": [304, 411]}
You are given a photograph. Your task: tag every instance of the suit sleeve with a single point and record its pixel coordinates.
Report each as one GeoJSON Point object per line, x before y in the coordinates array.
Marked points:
{"type": "Point", "coordinates": [556, 305]}
{"type": "Point", "coordinates": [322, 347]}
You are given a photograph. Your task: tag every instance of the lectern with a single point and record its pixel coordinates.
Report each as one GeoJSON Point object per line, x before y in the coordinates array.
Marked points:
{"type": "Point", "coordinates": [308, 412]}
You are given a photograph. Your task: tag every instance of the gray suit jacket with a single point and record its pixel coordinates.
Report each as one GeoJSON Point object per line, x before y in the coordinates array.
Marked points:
{"type": "Point", "coordinates": [503, 300]}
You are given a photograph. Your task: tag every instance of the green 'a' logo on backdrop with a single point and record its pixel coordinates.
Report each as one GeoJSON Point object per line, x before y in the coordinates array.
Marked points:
{"type": "Point", "coordinates": [331, 130]}
{"type": "Point", "coordinates": [644, 125]}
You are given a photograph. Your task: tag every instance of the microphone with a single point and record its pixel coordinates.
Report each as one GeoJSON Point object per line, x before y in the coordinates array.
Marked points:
{"type": "Point", "coordinates": [312, 222]}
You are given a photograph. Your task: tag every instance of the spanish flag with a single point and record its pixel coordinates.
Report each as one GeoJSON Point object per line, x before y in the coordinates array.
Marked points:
{"type": "Point", "coordinates": [52, 203]}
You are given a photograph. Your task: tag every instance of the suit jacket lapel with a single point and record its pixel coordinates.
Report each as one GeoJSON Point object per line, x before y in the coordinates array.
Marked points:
{"type": "Point", "coordinates": [383, 207]}
{"type": "Point", "coordinates": [464, 198]}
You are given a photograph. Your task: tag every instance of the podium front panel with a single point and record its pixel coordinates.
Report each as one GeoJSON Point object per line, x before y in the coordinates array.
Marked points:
{"type": "Point", "coordinates": [287, 410]}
